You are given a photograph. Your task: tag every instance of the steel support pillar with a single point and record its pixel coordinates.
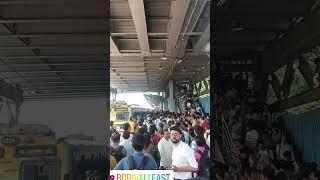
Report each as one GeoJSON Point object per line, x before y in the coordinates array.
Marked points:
{"type": "Point", "coordinates": [171, 100]}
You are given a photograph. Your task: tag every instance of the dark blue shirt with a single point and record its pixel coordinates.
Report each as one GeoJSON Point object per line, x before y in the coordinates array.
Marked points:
{"type": "Point", "coordinates": [137, 158]}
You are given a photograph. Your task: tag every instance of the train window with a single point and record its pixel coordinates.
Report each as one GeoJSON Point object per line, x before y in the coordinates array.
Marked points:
{"type": "Point", "coordinates": [122, 116]}
{"type": "Point", "coordinates": [35, 151]}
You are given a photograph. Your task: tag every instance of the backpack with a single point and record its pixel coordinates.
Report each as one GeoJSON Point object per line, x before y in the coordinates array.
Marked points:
{"type": "Point", "coordinates": [141, 166]}
{"type": "Point", "coordinates": [154, 152]}
{"type": "Point", "coordinates": [117, 153]}
{"type": "Point", "coordinates": [204, 163]}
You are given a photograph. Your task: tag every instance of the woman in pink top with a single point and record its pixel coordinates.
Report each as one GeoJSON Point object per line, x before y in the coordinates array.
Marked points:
{"type": "Point", "coordinates": [202, 152]}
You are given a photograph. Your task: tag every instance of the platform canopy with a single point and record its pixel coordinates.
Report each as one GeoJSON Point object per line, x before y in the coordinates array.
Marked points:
{"type": "Point", "coordinates": [156, 40]}
{"type": "Point", "coordinates": [54, 48]}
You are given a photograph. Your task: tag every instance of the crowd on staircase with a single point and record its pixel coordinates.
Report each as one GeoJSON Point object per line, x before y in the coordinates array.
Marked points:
{"type": "Point", "coordinates": [261, 148]}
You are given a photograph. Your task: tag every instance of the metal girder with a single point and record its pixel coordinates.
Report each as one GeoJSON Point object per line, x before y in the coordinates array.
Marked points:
{"type": "Point", "coordinates": [50, 47]}
{"type": "Point", "coordinates": [69, 94]}
{"type": "Point", "coordinates": [180, 11]}
{"type": "Point", "coordinates": [113, 47]}
{"type": "Point", "coordinates": [300, 37]}
{"type": "Point", "coordinates": [154, 34]}
{"type": "Point", "coordinates": [67, 86]}
{"type": "Point", "coordinates": [195, 15]}
{"type": "Point", "coordinates": [68, 89]}
{"type": "Point", "coordinates": [52, 35]}
{"type": "Point", "coordinates": [55, 71]}
{"type": "Point", "coordinates": [48, 92]}
{"type": "Point", "coordinates": [38, 2]}
{"type": "Point", "coordinates": [52, 20]}
{"type": "Point", "coordinates": [139, 19]}
{"type": "Point", "coordinates": [307, 97]}
{"type": "Point", "coordinates": [54, 77]}
{"type": "Point", "coordinates": [204, 38]}
{"type": "Point", "coordinates": [130, 39]}
{"type": "Point", "coordinates": [29, 2]}
{"type": "Point", "coordinates": [149, 19]}
{"type": "Point", "coordinates": [137, 54]}
{"type": "Point", "coordinates": [196, 53]}
{"type": "Point", "coordinates": [84, 56]}
{"type": "Point", "coordinates": [56, 64]}
{"type": "Point", "coordinates": [46, 97]}
{"type": "Point", "coordinates": [13, 93]}
{"type": "Point", "coordinates": [63, 82]}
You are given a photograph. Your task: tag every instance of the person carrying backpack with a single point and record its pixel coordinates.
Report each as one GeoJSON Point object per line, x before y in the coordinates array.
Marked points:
{"type": "Point", "coordinates": [138, 161]}
{"type": "Point", "coordinates": [117, 151]}
{"type": "Point", "coordinates": [202, 155]}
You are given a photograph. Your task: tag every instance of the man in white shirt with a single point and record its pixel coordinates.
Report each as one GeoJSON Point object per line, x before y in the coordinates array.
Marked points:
{"type": "Point", "coordinates": [126, 143]}
{"type": "Point", "coordinates": [126, 127]}
{"type": "Point", "coordinates": [183, 159]}
{"type": "Point", "coordinates": [185, 134]}
{"type": "Point", "coordinates": [165, 148]}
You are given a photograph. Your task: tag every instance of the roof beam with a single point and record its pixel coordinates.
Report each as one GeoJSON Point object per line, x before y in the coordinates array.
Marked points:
{"type": "Point", "coordinates": [45, 98]}
{"type": "Point", "coordinates": [152, 19]}
{"type": "Point", "coordinates": [113, 48]}
{"type": "Point", "coordinates": [297, 39]}
{"type": "Point", "coordinates": [53, 20]}
{"type": "Point", "coordinates": [196, 53]}
{"type": "Point", "coordinates": [57, 64]}
{"type": "Point", "coordinates": [68, 88]}
{"type": "Point", "coordinates": [70, 93]}
{"type": "Point", "coordinates": [56, 71]}
{"type": "Point", "coordinates": [39, 2]}
{"type": "Point", "coordinates": [307, 97]}
{"type": "Point", "coordinates": [29, 2]}
{"type": "Point", "coordinates": [64, 85]}
{"type": "Point", "coordinates": [136, 54]}
{"type": "Point", "coordinates": [139, 19]}
{"type": "Point", "coordinates": [195, 15]}
{"type": "Point", "coordinates": [55, 77]}
{"type": "Point", "coordinates": [155, 34]}
{"type": "Point", "coordinates": [72, 82]}
{"type": "Point", "coordinates": [204, 39]}
{"type": "Point", "coordinates": [84, 56]}
{"type": "Point", "coordinates": [49, 47]}
{"type": "Point", "coordinates": [176, 23]}
{"type": "Point", "coordinates": [41, 35]}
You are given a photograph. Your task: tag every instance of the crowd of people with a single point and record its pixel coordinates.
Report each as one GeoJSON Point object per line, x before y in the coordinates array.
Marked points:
{"type": "Point", "coordinates": [164, 140]}
{"type": "Point", "coordinates": [261, 146]}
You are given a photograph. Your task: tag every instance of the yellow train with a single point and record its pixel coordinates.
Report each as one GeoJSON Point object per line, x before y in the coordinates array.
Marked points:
{"type": "Point", "coordinates": [31, 152]}
{"type": "Point", "coordinates": [120, 114]}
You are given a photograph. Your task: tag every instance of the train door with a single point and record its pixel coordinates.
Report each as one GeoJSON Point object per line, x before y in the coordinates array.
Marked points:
{"type": "Point", "coordinates": [39, 170]}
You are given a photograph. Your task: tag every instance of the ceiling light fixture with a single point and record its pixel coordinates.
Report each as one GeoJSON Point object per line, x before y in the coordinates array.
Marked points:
{"type": "Point", "coordinates": [180, 60]}
{"type": "Point", "coordinates": [184, 69]}
{"type": "Point", "coordinates": [163, 58]}
{"type": "Point", "coordinates": [160, 67]}
{"type": "Point", "coordinates": [203, 67]}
